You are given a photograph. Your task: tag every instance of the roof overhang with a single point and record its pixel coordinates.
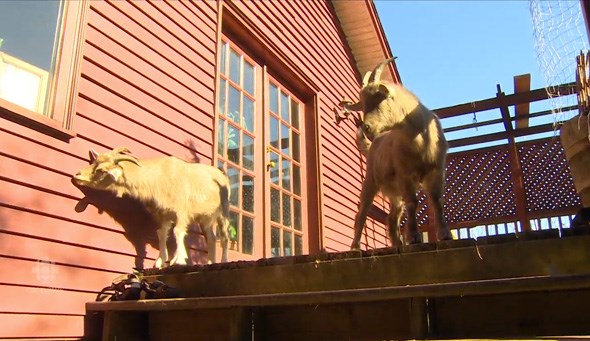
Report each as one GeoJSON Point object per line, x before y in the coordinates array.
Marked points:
{"type": "Point", "coordinates": [363, 31]}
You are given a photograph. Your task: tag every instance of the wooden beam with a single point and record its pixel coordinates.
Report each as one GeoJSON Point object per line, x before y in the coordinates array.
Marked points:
{"type": "Point", "coordinates": [522, 84]}
{"type": "Point", "coordinates": [508, 100]}
{"type": "Point", "coordinates": [479, 287]}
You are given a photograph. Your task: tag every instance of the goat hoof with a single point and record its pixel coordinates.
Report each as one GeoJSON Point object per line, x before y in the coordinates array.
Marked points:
{"type": "Point", "coordinates": [178, 261]}
{"type": "Point", "coordinates": [355, 247]}
{"type": "Point", "coordinates": [159, 263]}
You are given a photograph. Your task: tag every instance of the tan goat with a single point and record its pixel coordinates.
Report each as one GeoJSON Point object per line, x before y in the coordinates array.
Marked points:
{"type": "Point", "coordinates": [406, 151]}
{"type": "Point", "coordinates": [175, 192]}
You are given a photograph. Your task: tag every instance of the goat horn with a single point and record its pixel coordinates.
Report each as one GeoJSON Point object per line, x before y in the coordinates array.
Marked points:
{"type": "Point", "coordinates": [121, 150]}
{"type": "Point", "coordinates": [376, 74]}
{"type": "Point", "coordinates": [123, 157]}
{"type": "Point", "coordinates": [366, 78]}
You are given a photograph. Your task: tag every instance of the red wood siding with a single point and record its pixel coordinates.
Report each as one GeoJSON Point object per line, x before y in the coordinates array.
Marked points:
{"type": "Point", "coordinates": [148, 83]}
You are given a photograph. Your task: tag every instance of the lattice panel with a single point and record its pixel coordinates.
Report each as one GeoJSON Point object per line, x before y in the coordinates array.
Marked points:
{"type": "Point", "coordinates": [547, 179]}
{"type": "Point", "coordinates": [478, 186]}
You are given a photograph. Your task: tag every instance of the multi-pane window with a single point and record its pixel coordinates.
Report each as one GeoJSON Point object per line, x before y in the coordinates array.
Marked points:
{"type": "Point", "coordinates": [286, 237]}
{"type": "Point", "coordinates": [236, 129]}
{"type": "Point", "coordinates": [259, 144]}
{"type": "Point", "coordinates": [29, 37]}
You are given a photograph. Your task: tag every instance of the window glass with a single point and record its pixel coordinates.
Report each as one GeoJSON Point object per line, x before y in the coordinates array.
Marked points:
{"type": "Point", "coordinates": [29, 32]}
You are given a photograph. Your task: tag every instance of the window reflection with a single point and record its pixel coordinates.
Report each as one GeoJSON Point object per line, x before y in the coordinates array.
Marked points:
{"type": "Point", "coordinates": [234, 66]}
{"type": "Point", "coordinates": [249, 78]}
{"type": "Point", "coordinates": [297, 214]}
{"type": "Point", "coordinates": [275, 242]}
{"type": "Point", "coordinates": [296, 180]}
{"type": "Point", "coordinates": [234, 180]}
{"type": "Point", "coordinates": [248, 152]}
{"type": "Point", "coordinates": [233, 234]}
{"type": "Point", "coordinates": [285, 107]}
{"type": "Point", "coordinates": [234, 104]}
{"type": "Point", "coordinates": [274, 170]}
{"type": "Point", "coordinates": [29, 35]}
{"type": "Point", "coordinates": [287, 243]}
{"type": "Point", "coordinates": [286, 210]}
{"type": "Point", "coordinates": [221, 137]}
{"type": "Point", "coordinates": [247, 235]}
{"type": "Point", "coordinates": [273, 98]}
{"type": "Point", "coordinates": [294, 114]}
{"type": "Point", "coordinates": [286, 174]}
{"type": "Point", "coordinates": [298, 245]}
{"type": "Point", "coordinates": [233, 144]}
{"type": "Point", "coordinates": [296, 153]}
{"type": "Point", "coordinates": [275, 205]}
{"type": "Point", "coordinates": [285, 140]}
{"type": "Point", "coordinates": [248, 121]}
{"type": "Point", "coordinates": [248, 193]}
{"type": "Point", "coordinates": [274, 132]}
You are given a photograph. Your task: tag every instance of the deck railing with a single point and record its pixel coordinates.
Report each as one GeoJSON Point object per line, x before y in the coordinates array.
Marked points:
{"type": "Point", "coordinates": [504, 174]}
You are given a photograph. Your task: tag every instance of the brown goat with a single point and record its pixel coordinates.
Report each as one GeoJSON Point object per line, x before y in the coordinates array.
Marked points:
{"type": "Point", "coordinates": [406, 151]}
{"type": "Point", "coordinates": [174, 192]}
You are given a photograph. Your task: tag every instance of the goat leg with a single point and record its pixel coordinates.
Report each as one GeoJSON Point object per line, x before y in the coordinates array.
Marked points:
{"type": "Point", "coordinates": [433, 186]}
{"type": "Point", "coordinates": [369, 190]}
{"type": "Point", "coordinates": [393, 221]}
{"type": "Point", "coordinates": [413, 235]}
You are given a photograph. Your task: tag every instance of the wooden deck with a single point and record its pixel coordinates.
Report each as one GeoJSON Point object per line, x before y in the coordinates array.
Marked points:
{"type": "Point", "coordinates": [523, 286]}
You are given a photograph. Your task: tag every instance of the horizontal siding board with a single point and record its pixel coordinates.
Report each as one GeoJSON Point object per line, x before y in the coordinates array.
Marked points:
{"type": "Point", "coordinates": [102, 14]}
{"type": "Point", "coordinates": [203, 12]}
{"type": "Point", "coordinates": [30, 247]}
{"type": "Point", "coordinates": [142, 141]}
{"type": "Point", "coordinates": [44, 273]}
{"type": "Point", "coordinates": [36, 176]}
{"type": "Point", "coordinates": [159, 35]}
{"type": "Point", "coordinates": [133, 117]}
{"type": "Point", "coordinates": [81, 233]}
{"type": "Point", "coordinates": [164, 111]}
{"type": "Point", "coordinates": [199, 38]}
{"type": "Point", "coordinates": [300, 54]}
{"type": "Point", "coordinates": [318, 27]}
{"type": "Point", "coordinates": [29, 326]}
{"type": "Point", "coordinates": [306, 35]}
{"type": "Point", "coordinates": [138, 88]}
{"type": "Point", "coordinates": [27, 300]}
{"type": "Point", "coordinates": [139, 67]}
{"type": "Point", "coordinates": [176, 68]}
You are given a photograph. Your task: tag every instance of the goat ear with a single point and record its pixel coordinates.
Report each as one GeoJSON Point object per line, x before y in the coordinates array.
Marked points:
{"type": "Point", "coordinates": [115, 173]}
{"type": "Point", "coordinates": [92, 155]}
{"type": "Point", "coordinates": [384, 90]}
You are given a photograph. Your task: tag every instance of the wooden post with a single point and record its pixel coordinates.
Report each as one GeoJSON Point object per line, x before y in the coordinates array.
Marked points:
{"type": "Point", "coordinates": [515, 167]}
